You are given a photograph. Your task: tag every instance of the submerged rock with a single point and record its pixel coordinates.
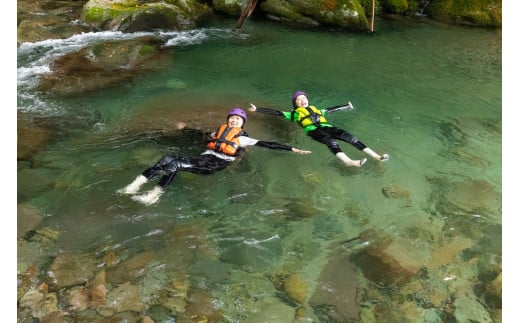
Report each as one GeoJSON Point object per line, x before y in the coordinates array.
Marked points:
{"type": "Point", "coordinates": [200, 308]}
{"type": "Point", "coordinates": [40, 303]}
{"type": "Point", "coordinates": [474, 196]}
{"type": "Point", "coordinates": [125, 298]}
{"type": "Point", "coordinates": [29, 218]}
{"type": "Point", "coordinates": [33, 136]}
{"type": "Point", "coordinates": [296, 288]}
{"type": "Point", "coordinates": [130, 269]}
{"type": "Point", "coordinates": [273, 312]}
{"type": "Point", "coordinates": [69, 270]}
{"type": "Point", "coordinates": [102, 65]}
{"type": "Point", "coordinates": [48, 19]}
{"type": "Point", "coordinates": [255, 254]}
{"type": "Point", "coordinates": [337, 294]}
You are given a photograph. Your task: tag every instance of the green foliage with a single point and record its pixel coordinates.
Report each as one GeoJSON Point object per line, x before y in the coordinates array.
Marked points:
{"type": "Point", "coordinates": [367, 6]}
{"type": "Point", "coordinates": [96, 14]}
{"type": "Point", "coordinates": [397, 6]}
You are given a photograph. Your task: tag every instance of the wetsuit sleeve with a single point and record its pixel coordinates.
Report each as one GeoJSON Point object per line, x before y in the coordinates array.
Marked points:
{"type": "Point", "coordinates": [248, 141]}
{"type": "Point", "coordinates": [195, 132]}
{"type": "Point", "coordinates": [273, 145]}
{"type": "Point", "coordinates": [270, 111]}
{"type": "Point", "coordinates": [285, 115]}
{"type": "Point", "coordinates": [339, 108]}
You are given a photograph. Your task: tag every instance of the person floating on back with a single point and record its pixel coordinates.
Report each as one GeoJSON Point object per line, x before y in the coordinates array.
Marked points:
{"type": "Point", "coordinates": [316, 126]}
{"type": "Point", "coordinates": [226, 143]}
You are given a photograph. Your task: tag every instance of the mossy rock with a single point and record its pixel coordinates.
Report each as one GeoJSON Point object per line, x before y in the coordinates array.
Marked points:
{"type": "Point", "coordinates": [467, 12]}
{"type": "Point", "coordinates": [229, 7]}
{"type": "Point", "coordinates": [397, 6]}
{"type": "Point", "coordinates": [340, 13]}
{"type": "Point", "coordinates": [142, 15]}
{"type": "Point", "coordinates": [296, 288]}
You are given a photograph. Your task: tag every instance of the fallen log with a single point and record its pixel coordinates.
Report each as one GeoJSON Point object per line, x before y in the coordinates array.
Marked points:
{"type": "Point", "coordinates": [246, 12]}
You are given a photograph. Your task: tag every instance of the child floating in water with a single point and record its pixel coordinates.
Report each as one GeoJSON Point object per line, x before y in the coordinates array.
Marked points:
{"type": "Point", "coordinates": [224, 146]}
{"type": "Point", "coordinates": [313, 122]}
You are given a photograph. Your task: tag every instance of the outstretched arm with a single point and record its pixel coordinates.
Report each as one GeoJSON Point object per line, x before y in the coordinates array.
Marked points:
{"type": "Point", "coordinates": [194, 133]}
{"type": "Point", "coordinates": [347, 106]}
{"type": "Point", "coordinates": [253, 108]}
{"type": "Point", "coordinates": [275, 145]}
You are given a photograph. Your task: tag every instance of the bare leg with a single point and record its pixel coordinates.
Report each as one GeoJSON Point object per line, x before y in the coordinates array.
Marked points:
{"type": "Point", "coordinates": [133, 187]}
{"type": "Point", "coordinates": [375, 155]}
{"type": "Point", "coordinates": [149, 197]}
{"type": "Point", "coordinates": [349, 162]}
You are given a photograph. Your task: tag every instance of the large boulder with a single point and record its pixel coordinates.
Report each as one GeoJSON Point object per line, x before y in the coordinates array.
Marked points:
{"type": "Point", "coordinates": [48, 19]}
{"type": "Point", "coordinates": [339, 14]}
{"type": "Point", "coordinates": [229, 7]}
{"type": "Point", "coordinates": [467, 12]}
{"type": "Point", "coordinates": [144, 15]}
{"type": "Point", "coordinates": [102, 65]}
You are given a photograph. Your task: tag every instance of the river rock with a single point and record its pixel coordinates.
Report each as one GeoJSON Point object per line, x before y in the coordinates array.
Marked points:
{"type": "Point", "coordinates": [48, 19]}
{"type": "Point", "coordinates": [200, 308]}
{"type": "Point", "coordinates": [474, 196]}
{"type": "Point", "coordinates": [102, 65]}
{"type": "Point", "coordinates": [336, 296]}
{"type": "Point", "coordinates": [77, 298]}
{"type": "Point", "coordinates": [40, 303]}
{"type": "Point", "coordinates": [469, 309]}
{"type": "Point", "coordinates": [390, 261]}
{"type": "Point", "coordinates": [395, 192]}
{"type": "Point", "coordinates": [32, 136]}
{"type": "Point", "coordinates": [69, 270]}
{"type": "Point", "coordinates": [125, 298]}
{"type": "Point", "coordinates": [448, 252]}
{"type": "Point", "coordinates": [97, 290]}
{"type": "Point", "coordinates": [255, 254]}
{"type": "Point", "coordinates": [272, 312]}
{"type": "Point", "coordinates": [144, 15]}
{"type": "Point", "coordinates": [29, 218]}
{"type": "Point", "coordinates": [296, 288]}
{"type": "Point", "coordinates": [30, 254]}
{"type": "Point", "coordinates": [481, 13]}
{"type": "Point", "coordinates": [307, 13]}
{"type": "Point", "coordinates": [131, 269]}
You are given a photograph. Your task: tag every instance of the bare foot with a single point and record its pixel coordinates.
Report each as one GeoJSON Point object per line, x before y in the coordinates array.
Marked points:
{"type": "Point", "coordinates": [357, 163]}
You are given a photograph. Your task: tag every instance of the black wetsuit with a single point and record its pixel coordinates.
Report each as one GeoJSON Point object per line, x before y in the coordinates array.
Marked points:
{"type": "Point", "coordinates": [208, 162]}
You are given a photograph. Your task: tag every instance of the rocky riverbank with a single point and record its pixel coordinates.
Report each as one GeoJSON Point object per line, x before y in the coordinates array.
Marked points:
{"type": "Point", "coordinates": [60, 19]}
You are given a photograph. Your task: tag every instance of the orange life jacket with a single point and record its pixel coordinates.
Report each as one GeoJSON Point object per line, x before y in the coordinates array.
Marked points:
{"type": "Point", "coordinates": [226, 140]}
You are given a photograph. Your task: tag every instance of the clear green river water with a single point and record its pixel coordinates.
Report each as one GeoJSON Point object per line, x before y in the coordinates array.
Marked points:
{"type": "Point", "coordinates": [430, 219]}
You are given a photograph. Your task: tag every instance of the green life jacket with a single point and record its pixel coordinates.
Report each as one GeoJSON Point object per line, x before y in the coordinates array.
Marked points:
{"type": "Point", "coordinates": [309, 118]}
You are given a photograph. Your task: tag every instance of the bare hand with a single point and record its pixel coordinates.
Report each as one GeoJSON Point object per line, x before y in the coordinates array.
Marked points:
{"type": "Point", "coordinates": [180, 125]}
{"type": "Point", "coordinates": [299, 151]}
{"type": "Point", "coordinates": [252, 107]}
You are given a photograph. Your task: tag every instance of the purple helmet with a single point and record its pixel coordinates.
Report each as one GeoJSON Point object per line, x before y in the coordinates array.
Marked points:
{"type": "Point", "coordinates": [295, 95]}
{"type": "Point", "coordinates": [238, 112]}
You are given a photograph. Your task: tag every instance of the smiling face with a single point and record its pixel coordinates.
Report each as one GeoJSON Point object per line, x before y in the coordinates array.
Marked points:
{"type": "Point", "coordinates": [235, 121]}
{"type": "Point", "coordinates": [301, 101]}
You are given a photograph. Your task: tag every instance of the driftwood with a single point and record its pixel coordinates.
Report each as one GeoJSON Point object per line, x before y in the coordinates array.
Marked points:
{"type": "Point", "coordinates": [246, 12]}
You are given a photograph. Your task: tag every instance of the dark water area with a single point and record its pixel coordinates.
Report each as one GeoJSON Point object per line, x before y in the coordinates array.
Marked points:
{"type": "Point", "coordinates": [282, 236]}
